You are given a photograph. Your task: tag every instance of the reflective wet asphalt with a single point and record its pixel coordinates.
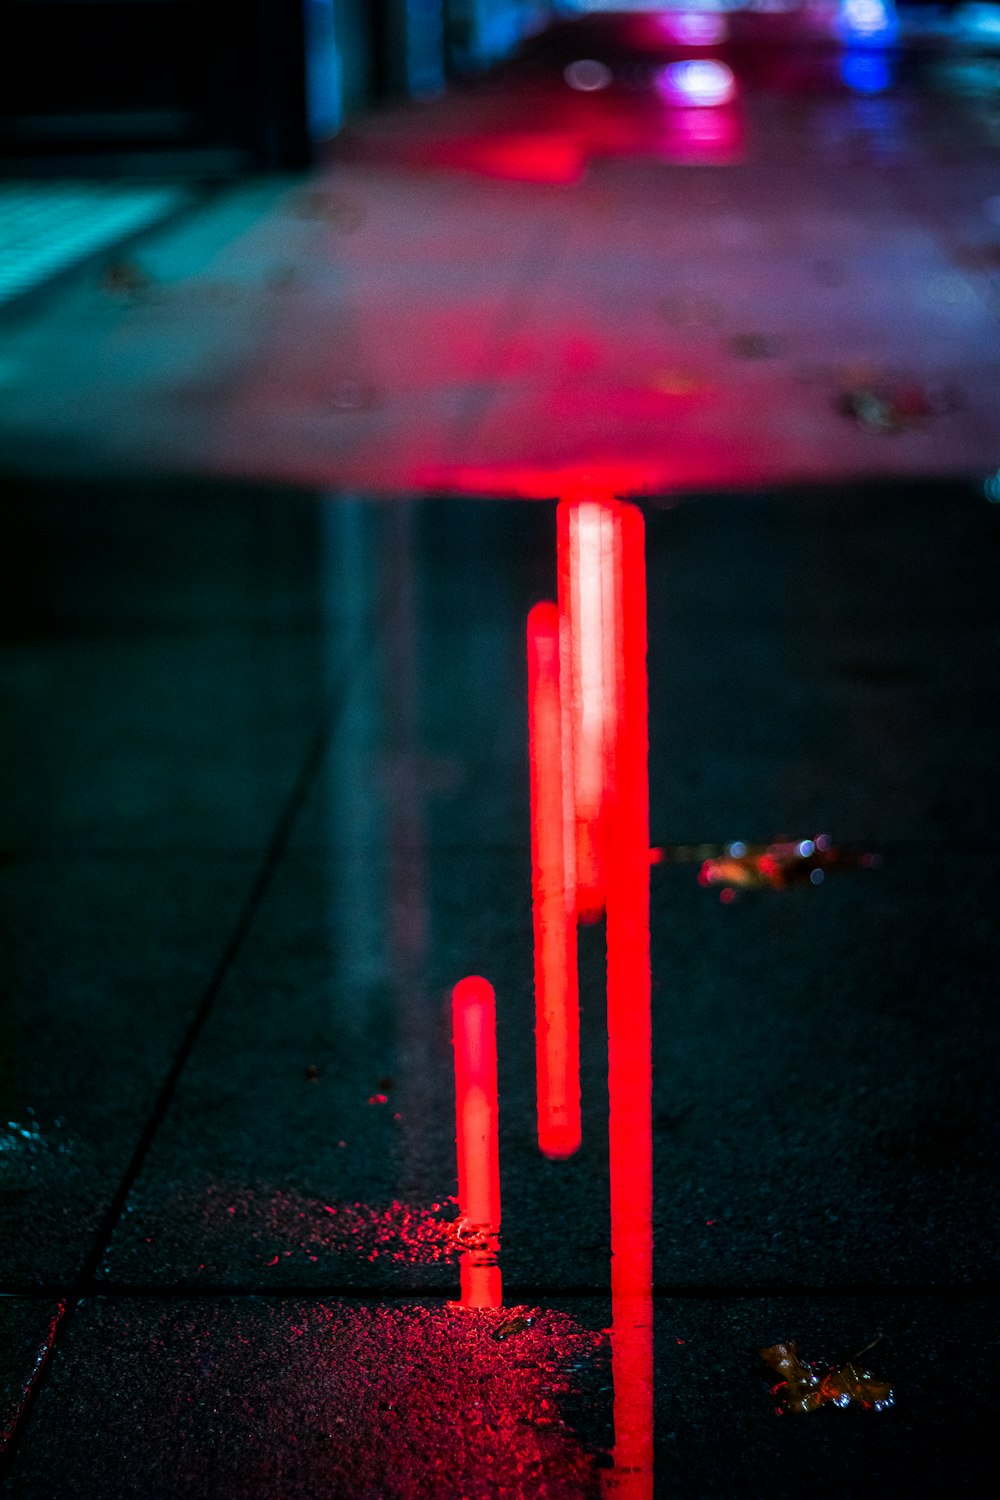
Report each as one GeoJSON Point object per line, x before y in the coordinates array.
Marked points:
{"type": "Point", "coordinates": [266, 796]}
{"type": "Point", "coordinates": [266, 799]}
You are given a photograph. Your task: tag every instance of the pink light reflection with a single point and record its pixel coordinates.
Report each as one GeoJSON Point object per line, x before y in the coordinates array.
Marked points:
{"type": "Point", "coordinates": [694, 28]}
{"type": "Point", "coordinates": [709, 136]}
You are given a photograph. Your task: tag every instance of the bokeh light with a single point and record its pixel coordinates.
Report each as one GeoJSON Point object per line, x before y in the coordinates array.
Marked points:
{"type": "Point", "coordinates": [694, 28]}
{"type": "Point", "coordinates": [871, 22]}
{"type": "Point", "coordinates": [703, 82]}
{"type": "Point", "coordinates": [588, 75]}
{"type": "Point", "coordinates": [865, 71]}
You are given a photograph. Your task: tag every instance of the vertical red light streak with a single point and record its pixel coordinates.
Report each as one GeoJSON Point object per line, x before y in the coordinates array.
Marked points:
{"type": "Point", "coordinates": [630, 1029]}
{"type": "Point", "coordinates": [565, 592]}
{"type": "Point", "coordinates": [587, 606]}
{"type": "Point", "coordinates": [557, 1020]}
{"type": "Point", "coordinates": [476, 1135]}
{"type": "Point", "coordinates": [592, 720]}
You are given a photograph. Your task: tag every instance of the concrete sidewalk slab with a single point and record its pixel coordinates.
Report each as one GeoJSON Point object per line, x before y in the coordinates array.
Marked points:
{"type": "Point", "coordinates": [182, 1397]}
{"type": "Point", "coordinates": [105, 961]}
{"type": "Point", "coordinates": [160, 664]}
{"type": "Point", "coordinates": [162, 690]}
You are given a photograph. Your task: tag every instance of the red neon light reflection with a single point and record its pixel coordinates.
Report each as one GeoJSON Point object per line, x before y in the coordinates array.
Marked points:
{"type": "Point", "coordinates": [587, 544]}
{"type": "Point", "coordinates": [476, 1120]}
{"type": "Point", "coordinates": [557, 1019]}
{"type": "Point", "coordinates": [589, 725]}
{"type": "Point", "coordinates": [630, 1067]}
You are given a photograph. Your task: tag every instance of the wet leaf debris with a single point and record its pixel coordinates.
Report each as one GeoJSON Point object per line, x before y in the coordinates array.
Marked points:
{"type": "Point", "coordinates": [512, 1326]}
{"type": "Point", "coordinates": [779, 865]}
{"type": "Point", "coordinates": [805, 1387]}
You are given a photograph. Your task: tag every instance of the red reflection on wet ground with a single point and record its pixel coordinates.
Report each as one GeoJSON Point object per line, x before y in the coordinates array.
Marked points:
{"type": "Point", "coordinates": [553, 134]}
{"type": "Point", "coordinates": [477, 1140]}
{"type": "Point", "coordinates": [587, 545]}
{"type": "Point", "coordinates": [293, 1230]}
{"type": "Point", "coordinates": [629, 1027]}
{"type": "Point", "coordinates": [588, 696]}
{"type": "Point", "coordinates": [410, 1401]}
{"type": "Point", "coordinates": [546, 481]}
{"type": "Point", "coordinates": [557, 1023]}
{"type": "Point", "coordinates": [543, 156]}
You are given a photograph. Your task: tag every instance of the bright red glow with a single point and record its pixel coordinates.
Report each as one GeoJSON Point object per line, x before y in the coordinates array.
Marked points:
{"type": "Point", "coordinates": [588, 542]}
{"type": "Point", "coordinates": [476, 1121]}
{"type": "Point", "coordinates": [546, 156]}
{"type": "Point", "coordinates": [474, 1018]}
{"type": "Point", "coordinates": [545, 482]}
{"type": "Point", "coordinates": [589, 727]}
{"type": "Point", "coordinates": [552, 136]}
{"type": "Point", "coordinates": [481, 1280]}
{"type": "Point", "coordinates": [557, 1021]}
{"type": "Point", "coordinates": [629, 1028]}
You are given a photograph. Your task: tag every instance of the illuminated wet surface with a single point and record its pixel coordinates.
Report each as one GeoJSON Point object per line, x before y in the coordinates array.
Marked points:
{"type": "Point", "coordinates": [267, 771]}
{"type": "Point", "coordinates": [281, 768]}
{"type": "Point", "coordinates": [787, 275]}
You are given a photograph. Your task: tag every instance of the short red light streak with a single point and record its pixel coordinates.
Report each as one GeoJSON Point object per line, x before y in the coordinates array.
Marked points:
{"type": "Point", "coordinates": [476, 1134]}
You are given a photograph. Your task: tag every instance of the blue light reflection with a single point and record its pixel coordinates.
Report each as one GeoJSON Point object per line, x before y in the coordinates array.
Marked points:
{"type": "Point", "coordinates": [867, 72]}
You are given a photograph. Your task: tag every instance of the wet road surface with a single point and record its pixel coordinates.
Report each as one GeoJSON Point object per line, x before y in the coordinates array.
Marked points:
{"type": "Point", "coordinates": [277, 774]}
{"type": "Point", "coordinates": [266, 800]}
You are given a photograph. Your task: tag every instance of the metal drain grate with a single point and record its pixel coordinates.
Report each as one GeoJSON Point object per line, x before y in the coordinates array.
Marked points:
{"type": "Point", "coordinates": [47, 227]}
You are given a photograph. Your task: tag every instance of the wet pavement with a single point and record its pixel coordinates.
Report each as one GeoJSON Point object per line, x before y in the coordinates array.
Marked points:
{"type": "Point", "coordinates": [266, 801]}
{"type": "Point", "coordinates": [284, 1397]}
{"type": "Point", "coordinates": [273, 781]}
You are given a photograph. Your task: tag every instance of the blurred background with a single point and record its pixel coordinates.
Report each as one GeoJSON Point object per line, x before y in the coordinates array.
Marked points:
{"type": "Point", "coordinates": [473, 244]}
{"type": "Point", "coordinates": [203, 87]}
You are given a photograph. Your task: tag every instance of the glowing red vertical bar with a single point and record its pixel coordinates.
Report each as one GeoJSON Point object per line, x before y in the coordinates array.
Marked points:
{"type": "Point", "coordinates": [566, 697]}
{"type": "Point", "coordinates": [585, 530]}
{"type": "Point", "coordinates": [476, 1120]}
{"type": "Point", "coordinates": [557, 1018]}
{"type": "Point", "coordinates": [630, 1031]}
